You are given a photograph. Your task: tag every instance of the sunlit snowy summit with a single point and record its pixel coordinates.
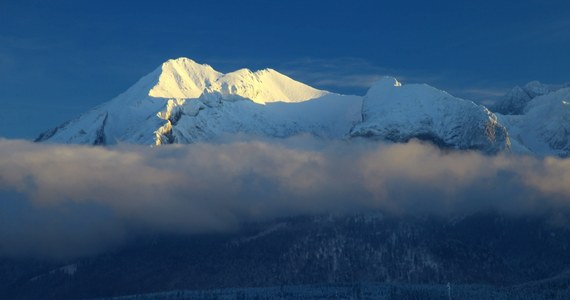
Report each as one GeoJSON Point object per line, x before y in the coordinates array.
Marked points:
{"type": "Point", "coordinates": [186, 102]}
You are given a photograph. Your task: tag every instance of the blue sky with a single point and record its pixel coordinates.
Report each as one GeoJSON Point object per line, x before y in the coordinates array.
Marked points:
{"type": "Point", "coordinates": [59, 58]}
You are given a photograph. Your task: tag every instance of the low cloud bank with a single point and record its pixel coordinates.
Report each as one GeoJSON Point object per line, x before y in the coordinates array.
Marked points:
{"type": "Point", "coordinates": [61, 201]}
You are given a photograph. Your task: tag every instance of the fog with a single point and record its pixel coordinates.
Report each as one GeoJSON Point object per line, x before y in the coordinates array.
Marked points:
{"type": "Point", "coordinates": [59, 201]}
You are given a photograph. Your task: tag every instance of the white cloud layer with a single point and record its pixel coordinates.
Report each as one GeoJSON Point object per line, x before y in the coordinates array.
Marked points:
{"type": "Point", "coordinates": [61, 201]}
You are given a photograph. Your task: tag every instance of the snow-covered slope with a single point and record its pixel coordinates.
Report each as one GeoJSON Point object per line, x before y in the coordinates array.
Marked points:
{"type": "Point", "coordinates": [212, 116]}
{"type": "Point", "coordinates": [185, 79]}
{"type": "Point", "coordinates": [182, 78]}
{"type": "Point", "coordinates": [544, 128]}
{"type": "Point", "coordinates": [185, 102]}
{"type": "Point", "coordinates": [516, 100]}
{"type": "Point", "coordinates": [396, 112]}
{"type": "Point", "coordinates": [264, 86]}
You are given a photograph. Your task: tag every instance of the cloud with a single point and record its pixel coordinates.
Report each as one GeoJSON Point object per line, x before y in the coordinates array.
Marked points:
{"type": "Point", "coordinates": [63, 201]}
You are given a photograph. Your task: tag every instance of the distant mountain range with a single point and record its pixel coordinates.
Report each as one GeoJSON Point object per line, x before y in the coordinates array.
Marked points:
{"type": "Point", "coordinates": [186, 102]}
{"type": "Point", "coordinates": [492, 256]}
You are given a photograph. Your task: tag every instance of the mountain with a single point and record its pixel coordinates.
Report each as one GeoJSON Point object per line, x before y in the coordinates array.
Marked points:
{"type": "Point", "coordinates": [537, 117]}
{"type": "Point", "coordinates": [395, 112]}
{"type": "Point", "coordinates": [183, 78]}
{"type": "Point", "coordinates": [516, 100]}
{"type": "Point", "coordinates": [544, 128]}
{"type": "Point", "coordinates": [479, 249]}
{"type": "Point", "coordinates": [185, 102]}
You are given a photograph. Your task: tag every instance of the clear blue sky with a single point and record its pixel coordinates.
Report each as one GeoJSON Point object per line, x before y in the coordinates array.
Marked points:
{"type": "Point", "coordinates": [59, 58]}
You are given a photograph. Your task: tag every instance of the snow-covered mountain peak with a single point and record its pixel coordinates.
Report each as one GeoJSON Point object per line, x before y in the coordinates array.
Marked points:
{"type": "Point", "coordinates": [544, 126]}
{"type": "Point", "coordinates": [536, 88]}
{"type": "Point", "coordinates": [182, 78]}
{"type": "Point", "coordinates": [183, 101]}
{"type": "Point", "coordinates": [395, 112]}
{"type": "Point", "coordinates": [385, 82]}
{"type": "Point", "coordinates": [516, 100]}
{"type": "Point", "coordinates": [518, 92]}
{"type": "Point", "coordinates": [390, 89]}
{"type": "Point", "coordinates": [383, 89]}
{"type": "Point", "coordinates": [185, 62]}
{"type": "Point", "coordinates": [512, 103]}
{"type": "Point", "coordinates": [265, 86]}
